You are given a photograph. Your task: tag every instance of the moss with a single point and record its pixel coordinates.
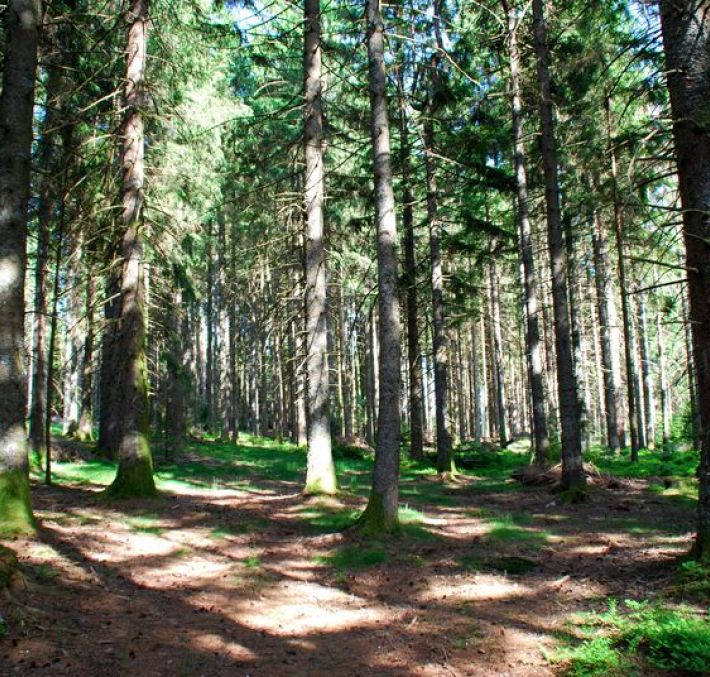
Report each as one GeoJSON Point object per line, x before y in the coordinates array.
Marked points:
{"type": "Point", "coordinates": [134, 478]}
{"type": "Point", "coordinates": [15, 509]}
{"type": "Point", "coordinates": [322, 485]}
{"type": "Point", "coordinates": [375, 520]}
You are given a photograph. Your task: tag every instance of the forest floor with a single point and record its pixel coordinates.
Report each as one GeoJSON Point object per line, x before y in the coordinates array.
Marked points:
{"type": "Point", "coordinates": [231, 571]}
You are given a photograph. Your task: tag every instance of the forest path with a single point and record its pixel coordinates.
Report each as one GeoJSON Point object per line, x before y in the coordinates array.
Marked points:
{"type": "Point", "coordinates": [233, 572]}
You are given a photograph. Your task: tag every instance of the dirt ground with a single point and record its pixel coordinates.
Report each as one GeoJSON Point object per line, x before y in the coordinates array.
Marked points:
{"type": "Point", "coordinates": [223, 582]}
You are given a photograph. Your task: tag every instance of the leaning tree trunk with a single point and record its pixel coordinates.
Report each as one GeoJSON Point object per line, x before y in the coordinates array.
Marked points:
{"type": "Point", "coordinates": [21, 19]}
{"type": "Point", "coordinates": [572, 469]}
{"type": "Point", "coordinates": [135, 464]}
{"type": "Point", "coordinates": [686, 34]}
{"type": "Point", "coordinates": [320, 472]}
{"type": "Point", "coordinates": [541, 443]}
{"type": "Point", "coordinates": [382, 507]}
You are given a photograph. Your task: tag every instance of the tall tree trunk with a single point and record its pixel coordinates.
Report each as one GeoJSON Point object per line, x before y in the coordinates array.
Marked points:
{"type": "Point", "coordinates": [611, 366]}
{"type": "Point", "coordinates": [572, 469]}
{"type": "Point", "coordinates": [663, 383]}
{"type": "Point", "coordinates": [498, 361]}
{"type": "Point", "coordinates": [85, 431]}
{"type": "Point", "coordinates": [414, 357]}
{"type": "Point", "coordinates": [541, 443]}
{"type": "Point", "coordinates": [686, 34]}
{"type": "Point", "coordinates": [21, 19]}
{"type": "Point", "coordinates": [135, 465]}
{"type": "Point", "coordinates": [440, 343]}
{"type": "Point", "coordinates": [631, 395]}
{"type": "Point", "coordinates": [649, 405]}
{"type": "Point", "coordinates": [320, 472]}
{"type": "Point", "coordinates": [381, 513]}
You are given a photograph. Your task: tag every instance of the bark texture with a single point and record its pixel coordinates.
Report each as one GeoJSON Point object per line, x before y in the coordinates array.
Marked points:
{"type": "Point", "coordinates": [135, 465]}
{"type": "Point", "coordinates": [320, 471]}
{"type": "Point", "coordinates": [21, 19]}
{"type": "Point", "coordinates": [381, 513]}
{"type": "Point", "coordinates": [572, 470]}
{"type": "Point", "coordinates": [686, 37]}
{"type": "Point", "coordinates": [541, 443]}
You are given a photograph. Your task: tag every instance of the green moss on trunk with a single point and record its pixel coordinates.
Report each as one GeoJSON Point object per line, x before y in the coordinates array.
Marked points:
{"type": "Point", "coordinates": [134, 478]}
{"type": "Point", "coordinates": [15, 510]}
{"type": "Point", "coordinates": [375, 520]}
{"type": "Point", "coordinates": [322, 486]}
{"type": "Point", "coordinates": [701, 547]}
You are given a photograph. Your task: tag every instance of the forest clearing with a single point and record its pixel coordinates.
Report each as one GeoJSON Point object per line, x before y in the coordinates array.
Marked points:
{"type": "Point", "coordinates": [231, 570]}
{"type": "Point", "coordinates": [355, 337]}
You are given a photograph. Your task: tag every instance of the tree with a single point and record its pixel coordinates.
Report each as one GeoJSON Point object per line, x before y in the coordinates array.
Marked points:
{"type": "Point", "coordinates": [686, 39]}
{"type": "Point", "coordinates": [21, 26]}
{"type": "Point", "coordinates": [135, 466]}
{"type": "Point", "coordinates": [572, 471]}
{"type": "Point", "coordinates": [320, 473]}
{"type": "Point", "coordinates": [381, 513]}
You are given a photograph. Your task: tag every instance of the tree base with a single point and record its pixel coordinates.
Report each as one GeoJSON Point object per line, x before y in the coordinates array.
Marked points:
{"type": "Point", "coordinates": [16, 516]}
{"type": "Point", "coordinates": [700, 551]}
{"type": "Point", "coordinates": [321, 486]}
{"type": "Point", "coordinates": [375, 520]}
{"type": "Point", "coordinates": [134, 480]}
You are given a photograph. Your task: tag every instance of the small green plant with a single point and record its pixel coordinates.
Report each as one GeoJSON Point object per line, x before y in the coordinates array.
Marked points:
{"type": "Point", "coordinates": [674, 639]}
{"type": "Point", "coordinates": [252, 562]}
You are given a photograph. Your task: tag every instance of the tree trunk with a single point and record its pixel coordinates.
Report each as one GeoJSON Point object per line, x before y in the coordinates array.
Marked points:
{"type": "Point", "coordinates": [686, 33]}
{"type": "Point", "coordinates": [663, 384]}
{"type": "Point", "coordinates": [541, 443]}
{"type": "Point", "coordinates": [572, 469]}
{"type": "Point", "coordinates": [649, 405]}
{"type": "Point", "coordinates": [381, 513]}
{"type": "Point", "coordinates": [85, 431]}
{"type": "Point", "coordinates": [414, 357]}
{"type": "Point", "coordinates": [320, 472]}
{"type": "Point", "coordinates": [135, 465]}
{"type": "Point", "coordinates": [498, 361]}
{"type": "Point", "coordinates": [21, 19]}
{"type": "Point", "coordinates": [440, 343]}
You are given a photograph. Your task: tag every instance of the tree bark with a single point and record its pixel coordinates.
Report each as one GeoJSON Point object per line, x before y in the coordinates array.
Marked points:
{"type": "Point", "coordinates": [414, 357]}
{"type": "Point", "coordinates": [135, 465]}
{"type": "Point", "coordinates": [686, 34]}
{"type": "Point", "coordinates": [381, 513]}
{"type": "Point", "coordinates": [573, 477]}
{"type": "Point", "coordinates": [320, 472]}
{"type": "Point", "coordinates": [541, 443]}
{"type": "Point", "coordinates": [611, 367]}
{"type": "Point", "coordinates": [498, 361]}
{"type": "Point", "coordinates": [440, 342]}
{"type": "Point", "coordinates": [21, 21]}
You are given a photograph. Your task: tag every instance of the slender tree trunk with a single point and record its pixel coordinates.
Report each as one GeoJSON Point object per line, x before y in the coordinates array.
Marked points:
{"type": "Point", "coordinates": [649, 405]}
{"type": "Point", "coordinates": [381, 513]}
{"type": "Point", "coordinates": [663, 384]}
{"type": "Point", "coordinates": [541, 443]}
{"type": "Point", "coordinates": [440, 343]}
{"type": "Point", "coordinates": [320, 473]}
{"type": "Point", "coordinates": [627, 320]}
{"type": "Point", "coordinates": [21, 20]}
{"type": "Point", "coordinates": [686, 34]}
{"type": "Point", "coordinates": [135, 464]}
{"type": "Point", "coordinates": [609, 338]}
{"type": "Point", "coordinates": [85, 431]}
{"type": "Point", "coordinates": [414, 358]}
{"type": "Point", "coordinates": [499, 362]}
{"type": "Point", "coordinates": [572, 469]}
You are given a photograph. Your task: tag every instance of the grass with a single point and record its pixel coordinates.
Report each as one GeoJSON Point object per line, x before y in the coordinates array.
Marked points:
{"type": "Point", "coordinates": [354, 557]}
{"type": "Point", "coordinates": [636, 636]}
{"type": "Point", "coordinates": [507, 528]}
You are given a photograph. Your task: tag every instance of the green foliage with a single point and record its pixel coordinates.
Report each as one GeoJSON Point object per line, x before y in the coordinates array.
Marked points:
{"type": "Point", "coordinates": [694, 581]}
{"type": "Point", "coordinates": [675, 639]}
{"type": "Point", "coordinates": [354, 557]}
{"type": "Point", "coordinates": [506, 528]}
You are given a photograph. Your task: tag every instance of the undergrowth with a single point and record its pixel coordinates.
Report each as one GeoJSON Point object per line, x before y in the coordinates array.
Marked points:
{"type": "Point", "coordinates": [633, 636]}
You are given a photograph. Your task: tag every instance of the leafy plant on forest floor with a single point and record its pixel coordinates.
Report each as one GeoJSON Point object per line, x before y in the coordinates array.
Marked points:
{"type": "Point", "coordinates": [638, 634]}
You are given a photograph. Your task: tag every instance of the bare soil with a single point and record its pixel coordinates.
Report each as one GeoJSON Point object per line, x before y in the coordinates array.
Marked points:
{"type": "Point", "coordinates": [222, 582]}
